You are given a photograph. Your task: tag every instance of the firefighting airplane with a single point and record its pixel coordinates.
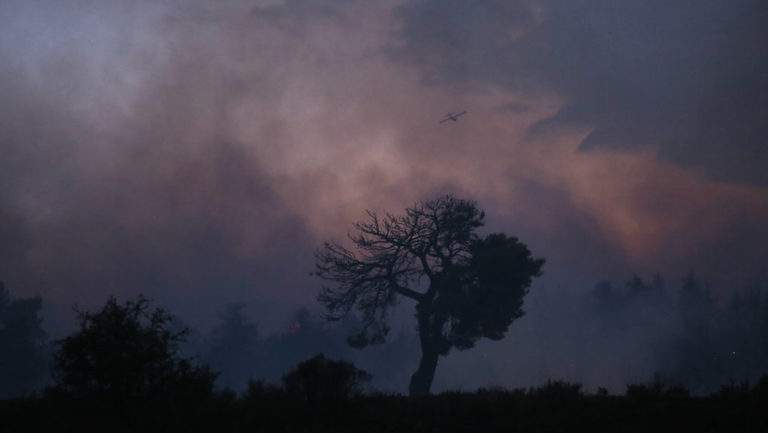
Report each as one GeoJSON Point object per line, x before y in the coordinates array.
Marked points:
{"type": "Point", "coordinates": [452, 116]}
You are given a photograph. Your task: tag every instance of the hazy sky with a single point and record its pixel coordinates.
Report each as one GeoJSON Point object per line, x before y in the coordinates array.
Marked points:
{"type": "Point", "coordinates": [199, 150]}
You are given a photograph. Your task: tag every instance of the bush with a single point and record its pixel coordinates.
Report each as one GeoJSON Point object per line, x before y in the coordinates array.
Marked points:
{"type": "Point", "coordinates": [260, 390]}
{"type": "Point", "coordinates": [319, 378]}
{"type": "Point", "coordinates": [760, 390]}
{"type": "Point", "coordinates": [126, 352]}
{"type": "Point", "coordinates": [558, 390]}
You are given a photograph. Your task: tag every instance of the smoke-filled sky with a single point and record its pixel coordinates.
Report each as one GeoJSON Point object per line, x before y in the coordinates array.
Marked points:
{"type": "Point", "coordinates": [198, 151]}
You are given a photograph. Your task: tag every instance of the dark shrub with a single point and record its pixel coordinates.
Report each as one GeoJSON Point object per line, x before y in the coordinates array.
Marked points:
{"type": "Point", "coordinates": [760, 390]}
{"type": "Point", "coordinates": [260, 390]}
{"type": "Point", "coordinates": [320, 378]}
{"type": "Point", "coordinates": [126, 352]}
{"type": "Point", "coordinates": [558, 389]}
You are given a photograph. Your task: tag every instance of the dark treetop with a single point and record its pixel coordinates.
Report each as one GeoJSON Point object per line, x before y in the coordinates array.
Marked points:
{"type": "Point", "coordinates": [466, 287]}
{"type": "Point", "coordinates": [127, 352]}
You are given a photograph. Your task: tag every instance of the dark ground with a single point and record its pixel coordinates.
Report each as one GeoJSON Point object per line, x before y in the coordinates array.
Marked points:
{"type": "Point", "coordinates": [557, 407]}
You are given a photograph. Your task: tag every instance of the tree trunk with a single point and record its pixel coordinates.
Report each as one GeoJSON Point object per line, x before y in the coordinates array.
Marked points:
{"type": "Point", "coordinates": [421, 381]}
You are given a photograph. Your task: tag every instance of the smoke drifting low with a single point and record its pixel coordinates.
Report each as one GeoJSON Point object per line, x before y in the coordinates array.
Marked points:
{"type": "Point", "coordinates": [198, 152]}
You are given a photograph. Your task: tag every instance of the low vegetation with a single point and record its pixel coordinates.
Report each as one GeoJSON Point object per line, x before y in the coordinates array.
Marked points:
{"type": "Point", "coordinates": [555, 407]}
{"type": "Point", "coordinates": [122, 371]}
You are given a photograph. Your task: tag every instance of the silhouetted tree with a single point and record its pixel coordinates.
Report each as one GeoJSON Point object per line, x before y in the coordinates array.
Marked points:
{"type": "Point", "coordinates": [465, 287]}
{"type": "Point", "coordinates": [694, 297]}
{"type": "Point", "coordinates": [23, 360]}
{"type": "Point", "coordinates": [319, 378]}
{"type": "Point", "coordinates": [695, 357]}
{"type": "Point", "coordinates": [654, 289]}
{"type": "Point", "coordinates": [125, 352]}
{"type": "Point", "coordinates": [234, 343]}
{"type": "Point", "coordinates": [303, 336]}
{"type": "Point", "coordinates": [746, 332]}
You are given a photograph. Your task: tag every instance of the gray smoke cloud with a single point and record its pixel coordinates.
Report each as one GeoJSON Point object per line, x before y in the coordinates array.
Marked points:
{"type": "Point", "coordinates": [685, 79]}
{"type": "Point", "coordinates": [199, 151]}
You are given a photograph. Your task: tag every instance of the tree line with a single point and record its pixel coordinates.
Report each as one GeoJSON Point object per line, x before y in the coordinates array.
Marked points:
{"type": "Point", "coordinates": [464, 287]}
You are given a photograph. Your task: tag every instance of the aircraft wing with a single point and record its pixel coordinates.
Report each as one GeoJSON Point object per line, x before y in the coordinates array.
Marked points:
{"type": "Point", "coordinates": [452, 116]}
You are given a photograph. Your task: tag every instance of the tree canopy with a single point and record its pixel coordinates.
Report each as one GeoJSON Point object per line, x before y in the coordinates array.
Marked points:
{"type": "Point", "coordinates": [234, 346]}
{"type": "Point", "coordinates": [466, 287]}
{"type": "Point", "coordinates": [23, 363]}
{"type": "Point", "coordinates": [321, 378]}
{"type": "Point", "coordinates": [128, 351]}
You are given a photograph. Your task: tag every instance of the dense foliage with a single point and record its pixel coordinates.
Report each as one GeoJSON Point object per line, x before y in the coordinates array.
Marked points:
{"type": "Point", "coordinates": [23, 354]}
{"type": "Point", "coordinates": [466, 287]}
{"type": "Point", "coordinates": [126, 352]}
{"type": "Point", "coordinates": [319, 378]}
{"type": "Point", "coordinates": [555, 407]}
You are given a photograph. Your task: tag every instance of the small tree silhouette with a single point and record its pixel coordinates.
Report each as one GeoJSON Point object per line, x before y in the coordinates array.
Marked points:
{"type": "Point", "coordinates": [465, 287]}
{"type": "Point", "coordinates": [23, 360]}
{"type": "Point", "coordinates": [126, 352]}
{"type": "Point", "coordinates": [234, 346]}
{"type": "Point", "coordinates": [319, 378]}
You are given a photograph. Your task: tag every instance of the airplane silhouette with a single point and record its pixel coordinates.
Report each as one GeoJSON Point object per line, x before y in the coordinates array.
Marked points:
{"type": "Point", "coordinates": [452, 116]}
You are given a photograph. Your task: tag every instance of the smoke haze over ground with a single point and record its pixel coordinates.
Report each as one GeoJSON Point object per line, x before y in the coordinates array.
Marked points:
{"type": "Point", "coordinates": [199, 151]}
